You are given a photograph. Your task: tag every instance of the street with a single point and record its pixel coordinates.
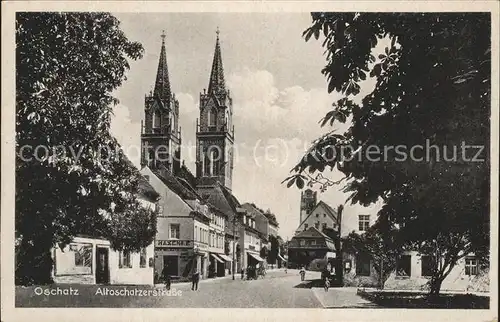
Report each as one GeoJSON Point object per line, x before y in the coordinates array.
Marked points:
{"type": "Point", "coordinates": [277, 290]}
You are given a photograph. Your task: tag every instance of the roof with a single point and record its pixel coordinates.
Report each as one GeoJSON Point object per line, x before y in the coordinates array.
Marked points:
{"type": "Point", "coordinates": [332, 213]}
{"type": "Point", "coordinates": [143, 186]}
{"type": "Point", "coordinates": [147, 190]}
{"type": "Point", "coordinates": [187, 175]}
{"type": "Point", "coordinates": [222, 199]}
{"type": "Point", "coordinates": [312, 232]}
{"type": "Point", "coordinates": [162, 83]}
{"type": "Point", "coordinates": [179, 187]}
{"type": "Point", "coordinates": [216, 84]}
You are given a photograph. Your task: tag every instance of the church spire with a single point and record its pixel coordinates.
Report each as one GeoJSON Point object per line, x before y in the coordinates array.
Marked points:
{"type": "Point", "coordinates": [162, 84]}
{"type": "Point", "coordinates": [217, 84]}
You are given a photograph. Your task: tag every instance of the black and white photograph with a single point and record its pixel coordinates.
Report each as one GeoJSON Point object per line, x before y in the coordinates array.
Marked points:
{"type": "Point", "coordinates": [247, 159]}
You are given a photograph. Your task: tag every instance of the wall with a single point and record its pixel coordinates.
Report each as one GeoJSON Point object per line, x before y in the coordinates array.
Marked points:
{"type": "Point", "coordinates": [455, 281]}
{"type": "Point", "coordinates": [135, 274]}
{"type": "Point", "coordinates": [65, 272]}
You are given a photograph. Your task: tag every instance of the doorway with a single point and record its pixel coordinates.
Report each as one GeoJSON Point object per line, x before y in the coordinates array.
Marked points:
{"type": "Point", "coordinates": [102, 265]}
{"type": "Point", "coordinates": [171, 265]}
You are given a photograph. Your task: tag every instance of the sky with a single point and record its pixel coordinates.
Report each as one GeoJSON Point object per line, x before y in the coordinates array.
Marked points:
{"type": "Point", "coordinates": [279, 96]}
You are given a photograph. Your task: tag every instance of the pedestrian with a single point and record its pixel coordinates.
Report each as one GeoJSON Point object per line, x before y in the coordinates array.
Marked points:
{"type": "Point", "coordinates": [242, 273]}
{"type": "Point", "coordinates": [166, 277]}
{"type": "Point", "coordinates": [195, 279]}
{"type": "Point", "coordinates": [302, 273]}
{"type": "Point", "coordinates": [325, 276]}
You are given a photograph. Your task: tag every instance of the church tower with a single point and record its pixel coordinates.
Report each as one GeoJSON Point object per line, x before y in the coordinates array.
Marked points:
{"type": "Point", "coordinates": [215, 131]}
{"type": "Point", "coordinates": [160, 132]}
{"type": "Point", "coordinates": [308, 200]}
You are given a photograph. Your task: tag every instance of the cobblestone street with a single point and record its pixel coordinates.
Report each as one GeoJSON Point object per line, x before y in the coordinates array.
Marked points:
{"type": "Point", "coordinates": [277, 290]}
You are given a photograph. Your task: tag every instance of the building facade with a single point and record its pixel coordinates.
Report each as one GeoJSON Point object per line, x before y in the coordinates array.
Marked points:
{"type": "Point", "coordinates": [91, 260]}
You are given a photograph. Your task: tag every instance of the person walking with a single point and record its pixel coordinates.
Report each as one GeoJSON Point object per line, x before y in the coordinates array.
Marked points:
{"type": "Point", "coordinates": [195, 279]}
{"type": "Point", "coordinates": [302, 273]}
{"type": "Point", "coordinates": [325, 277]}
{"type": "Point", "coordinates": [166, 277]}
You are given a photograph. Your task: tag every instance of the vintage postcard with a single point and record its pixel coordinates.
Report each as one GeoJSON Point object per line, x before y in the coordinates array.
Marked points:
{"type": "Point", "coordinates": [338, 159]}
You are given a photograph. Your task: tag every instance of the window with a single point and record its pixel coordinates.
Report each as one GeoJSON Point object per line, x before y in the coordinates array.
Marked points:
{"type": "Point", "coordinates": [428, 263]}
{"type": "Point", "coordinates": [156, 119]}
{"type": "Point", "coordinates": [83, 255]}
{"type": "Point", "coordinates": [142, 260]}
{"type": "Point", "coordinates": [403, 266]}
{"type": "Point", "coordinates": [212, 119]}
{"type": "Point", "coordinates": [471, 264]}
{"type": "Point", "coordinates": [363, 265]}
{"type": "Point", "coordinates": [364, 222]}
{"type": "Point", "coordinates": [174, 231]}
{"type": "Point", "coordinates": [317, 215]}
{"type": "Point", "coordinates": [215, 160]}
{"type": "Point", "coordinates": [206, 165]}
{"type": "Point", "coordinates": [124, 260]}
{"type": "Point", "coordinates": [324, 215]}
{"type": "Point", "coordinates": [324, 225]}
{"type": "Point", "coordinates": [305, 226]}
{"type": "Point", "coordinates": [316, 225]}
{"type": "Point", "coordinates": [302, 242]}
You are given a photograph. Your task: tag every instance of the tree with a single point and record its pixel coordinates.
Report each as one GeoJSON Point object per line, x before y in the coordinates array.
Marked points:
{"type": "Point", "coordinates": [409, 140]}
{"type": "Point", "coordinates": [71, 175]}
{"type": "Point", "coordinates": [274, 251]}
{"type": "Point", "coordinates": [380, 244]}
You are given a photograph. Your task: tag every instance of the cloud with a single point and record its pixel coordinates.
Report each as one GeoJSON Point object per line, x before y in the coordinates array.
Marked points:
{"type": "Point", "coordinates": [273, 128]}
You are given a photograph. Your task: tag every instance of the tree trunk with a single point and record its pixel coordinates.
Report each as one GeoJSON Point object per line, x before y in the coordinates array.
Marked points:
{"type": "Point", "coordinates": [435, 285]}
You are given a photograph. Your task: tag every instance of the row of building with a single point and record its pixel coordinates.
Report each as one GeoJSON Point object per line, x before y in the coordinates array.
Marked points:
{"type": "Point", "coordinates": [317, 240]}
{"type": "Point", "coordinates": [201, 224]}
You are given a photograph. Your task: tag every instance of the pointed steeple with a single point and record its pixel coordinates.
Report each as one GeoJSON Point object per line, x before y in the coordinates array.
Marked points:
{"type": "Point", "coordinates": [217, 84]}
{"type": "Point", "coordinates": [162, 84]}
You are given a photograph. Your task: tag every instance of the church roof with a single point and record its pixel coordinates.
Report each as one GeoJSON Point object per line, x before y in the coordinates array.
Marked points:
{"type": "Point", "coordinates": [217, 84]}
{"type": "Point", "coordinates": [162, 83]}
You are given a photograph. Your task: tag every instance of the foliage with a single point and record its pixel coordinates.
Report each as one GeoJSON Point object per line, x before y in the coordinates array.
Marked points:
{"type": "Point", "coordinates": [381, 244]}
{"type": "Point", "coordinates": [67, 65]}
{"type": "Point", "coordinates": [409, 140]}
{"type": "Point", "coordinates": [274, 251]}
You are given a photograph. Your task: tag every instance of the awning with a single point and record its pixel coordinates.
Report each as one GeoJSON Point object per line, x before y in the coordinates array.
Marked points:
{"type": "Point", "coordinates": [225, 257]}
{"type": "Point", "coordinates": [257, 257]}
{"type": "Point", "coordinates": [331, 255]}
{"type": "Point", "coordinates": [216, 258]}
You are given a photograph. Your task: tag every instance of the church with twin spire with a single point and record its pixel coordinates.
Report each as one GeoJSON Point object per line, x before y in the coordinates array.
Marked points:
{"type": "Point", "coordinates": [197, 210]}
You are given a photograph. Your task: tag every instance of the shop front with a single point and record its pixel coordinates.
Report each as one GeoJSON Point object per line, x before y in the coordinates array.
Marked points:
{"type": "Point", "coordinates": [253, 259]}
{"type": "Point", "coordinates": [173, 258]}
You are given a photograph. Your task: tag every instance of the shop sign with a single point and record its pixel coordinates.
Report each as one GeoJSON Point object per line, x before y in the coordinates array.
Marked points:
{"type": "Point", "coordinates": [174, 243]}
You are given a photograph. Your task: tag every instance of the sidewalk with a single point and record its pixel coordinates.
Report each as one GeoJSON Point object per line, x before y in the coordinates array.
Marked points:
{"type": "Point", "coordinates": [341, 297]}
